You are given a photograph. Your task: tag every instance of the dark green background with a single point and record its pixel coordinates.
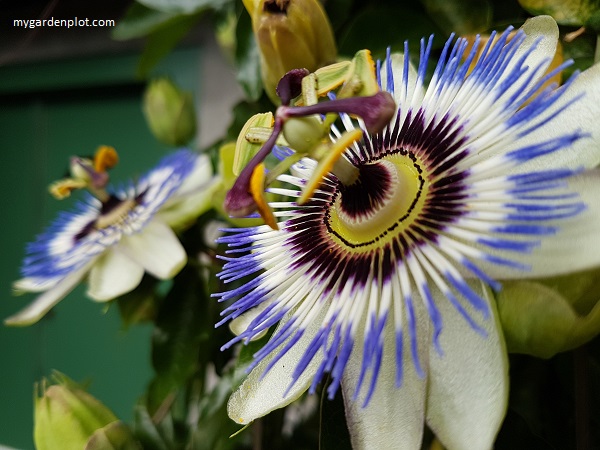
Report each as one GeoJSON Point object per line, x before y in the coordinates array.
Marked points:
{"type": "Point", "coordinates": [49, 112]}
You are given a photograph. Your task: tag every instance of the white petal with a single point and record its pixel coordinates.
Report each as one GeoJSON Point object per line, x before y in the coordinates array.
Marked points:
{"type": "Point", "coordinates": [468, 385]}
{"type": "Point", "coordinates": [46, 301]}
{"type": "Point", "coordinates": [240, 323]}
{"type": "Point", "coordinates": [34, 284]}
{"type": "Point", "coordinates": [576, 245]}
{"type": "Point", "coordinates": [259, 395]}
{"type": "Point", "coordinates": [394, 416]}
{"type": "Point", "coordinates": [580, 116]}
{"type": "Point", "coordinates": [193, 197]}
{"type": "Point", "coordinates": [200, 176]}
{"type": "Point", "coordinates": [544, 29]}
{"type": "Point", "coordinates": [113, 274]}
{"type": "Point", "coordinates": [157, 249]}
{"type": "Point", "coordinates": [185, 207]}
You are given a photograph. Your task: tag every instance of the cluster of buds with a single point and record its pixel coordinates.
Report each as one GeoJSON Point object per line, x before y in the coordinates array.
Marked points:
{"type": "Point", "coordinates": [303, 125]}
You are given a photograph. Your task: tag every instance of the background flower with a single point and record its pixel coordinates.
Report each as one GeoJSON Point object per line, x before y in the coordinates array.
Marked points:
{"type": "Point", "coordinates": [116, 239]}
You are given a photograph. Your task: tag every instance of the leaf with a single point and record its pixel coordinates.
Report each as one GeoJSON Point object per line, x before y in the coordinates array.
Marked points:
{"type": "Point", "coordinates": [565, 12]}
{"type": "Point", "coordinates": [462, 17]}
{"type": "Point", "coordinates": [183, 325]}
{"type": "Point", "coordinates": [139, 305]}
{"type": "Point", "coordinates": [184, 6]}
{"type": "Point", "coordinates": [146, 430]}
{"type": "Point", "coordinates": [247, 58]}
{"type": "Point", "coordinates": [139, 21]}
{"type": "Point", "coordinates": [162, 40]}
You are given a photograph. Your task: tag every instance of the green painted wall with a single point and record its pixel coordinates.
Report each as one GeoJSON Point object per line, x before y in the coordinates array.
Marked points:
{"type": "Point", "coordinates": [49, 112]}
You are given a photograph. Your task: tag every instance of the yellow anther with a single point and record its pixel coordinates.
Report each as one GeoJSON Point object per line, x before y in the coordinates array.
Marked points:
{"type": "Point", "coordinates": [257, 190]}
{"type": "Point", "coordinates": [326, 164]}
{"type": "Point", "coordinates": [245, 149]}
{"type": "Point", "coordinates": [106, 157]}
{"type": "Point", "coordinates": [61, 189]}
{"type": "Point", "coordinates": [361, 80]}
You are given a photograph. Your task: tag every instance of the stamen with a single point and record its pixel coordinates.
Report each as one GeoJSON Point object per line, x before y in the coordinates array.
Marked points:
{"type": "Point", "coordinates": [106, 157]}
{"type": "Point", "coordinates": [238, 201]}
{"type": "Point", "coordinates": [257, 190]}
{"type": "Point", "coordinates": [62, 189]}
{"type": "Point", "coordinates": [327, 163]}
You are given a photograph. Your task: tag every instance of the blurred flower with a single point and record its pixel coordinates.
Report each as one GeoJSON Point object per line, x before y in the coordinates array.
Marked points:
{"type": "Point", "coordinates": [379, 279]}
{"type": "Point", "coordinates": [291, 34]}
{"type": "Point", "coordinates": [114, 236]}
{"type": "Point", "coordinates": [68, 418]}
{"type": "Point", "coordinates": [169, 112]}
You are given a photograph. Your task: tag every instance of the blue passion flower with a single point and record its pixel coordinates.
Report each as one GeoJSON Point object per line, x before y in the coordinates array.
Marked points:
{"type": "Point", "coordinates": [382, 278]}
{"type": "Point", "coordinates": [114, 235]}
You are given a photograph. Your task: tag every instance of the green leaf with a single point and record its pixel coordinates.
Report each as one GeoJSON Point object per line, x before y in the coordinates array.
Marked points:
{"type": "Point", "coordinates": [462, 17]}
{"type": "Point", "coordinates": [183, 326]}
{"type": "Point", "coordinates": [565, 12]}
{"type": "Point", "coordinates": [164, 39]}
{"type": "Point", "coordinates": [183, 6]}
{"type": "Point", "coordinates": [146, 430]}
{"type": "Point", "coordinates": [139, 21]}
{"type": "Point", "coordinates": [139, 305]}
{"type": "Point", "coordinates": [247, 58]}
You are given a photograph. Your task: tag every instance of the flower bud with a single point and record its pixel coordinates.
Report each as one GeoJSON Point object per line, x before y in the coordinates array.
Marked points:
{"type": "Point", "coordinates": [169, 112]}
{"type": "Point", "coordinates": [67, 417]}
{"type": "Point", "coordinates": [547, 316]}
{"type": "Point", "coordinates": [291, 34]}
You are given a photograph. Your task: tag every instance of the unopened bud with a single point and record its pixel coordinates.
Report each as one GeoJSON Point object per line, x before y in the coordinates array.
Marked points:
{"type": "Point", "coordinates": [290, 34]}
{"type": "Point", "coordinates": [546, 316]}
{"type": "Point", "coordinates": [67, 417]}
{"type": "Point", "coordinates": [169, 112]}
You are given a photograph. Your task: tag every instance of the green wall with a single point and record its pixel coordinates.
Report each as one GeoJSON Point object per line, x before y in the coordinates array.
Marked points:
{"type": "Point", "coordinates": [49, 112]}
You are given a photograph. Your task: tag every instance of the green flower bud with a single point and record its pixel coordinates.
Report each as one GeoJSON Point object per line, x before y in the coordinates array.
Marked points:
{"type": "Point", "coordinates": [169, 112]}
{"type": "Point", "coordinates": [547, 316]}
{"type": "Point", "coordinates": [67, 417]}
{"type": "Point", "coordinates": [291, 34]}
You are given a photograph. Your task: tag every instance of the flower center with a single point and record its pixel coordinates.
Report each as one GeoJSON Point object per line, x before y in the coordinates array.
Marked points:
{"type": "Point", "coordinates": [114, 211]}
{"type": "Point", "coordinates": [386, 197]}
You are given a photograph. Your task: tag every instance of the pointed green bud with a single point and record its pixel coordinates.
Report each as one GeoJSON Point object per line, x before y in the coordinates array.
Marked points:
{"type": "Point", "coordinates": [547, 316]}
{"type": "Point", "coordinates": [291, 34]}
{"type": "Point", "coordinates": [67, 417]}
{"type": "Point", "coordinates": [169, 112]}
